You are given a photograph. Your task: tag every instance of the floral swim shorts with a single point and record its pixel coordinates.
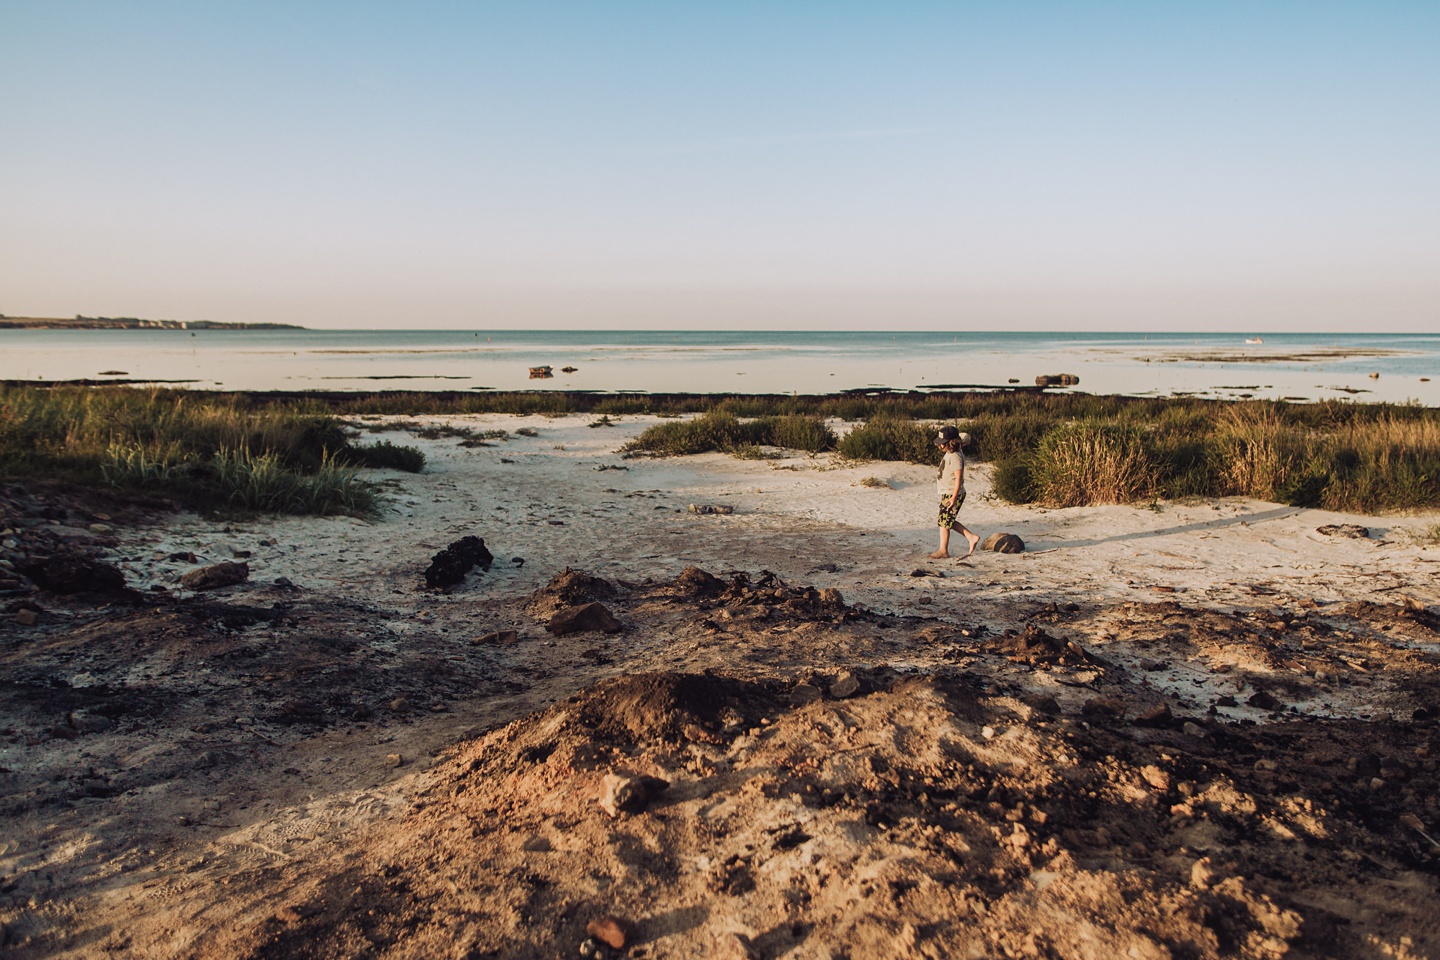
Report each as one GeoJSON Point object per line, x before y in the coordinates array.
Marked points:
{"type": "Point", "coordinates": [947, 512]}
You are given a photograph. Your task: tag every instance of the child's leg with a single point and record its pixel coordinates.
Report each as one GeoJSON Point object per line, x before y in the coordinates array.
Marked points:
{"type": "Point", "coordinates": [970, 538]}
{"type": "Point", "coordinates": [944, 550]}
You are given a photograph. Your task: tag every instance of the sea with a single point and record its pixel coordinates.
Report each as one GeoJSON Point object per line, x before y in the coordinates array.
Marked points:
{"type": "Point", "coordinates": [1395, 368]}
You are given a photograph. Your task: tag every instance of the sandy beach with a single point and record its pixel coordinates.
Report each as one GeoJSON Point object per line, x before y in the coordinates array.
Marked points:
{"type": "Point", "coordinates": [1177, 729]}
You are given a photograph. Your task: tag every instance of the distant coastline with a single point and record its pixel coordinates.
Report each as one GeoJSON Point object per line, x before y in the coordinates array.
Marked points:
{"type": "Point", "coordinates": [130, 323]}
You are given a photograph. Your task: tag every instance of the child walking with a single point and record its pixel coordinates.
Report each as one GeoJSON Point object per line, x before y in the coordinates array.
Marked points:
{"type": "Point", "coordinates": [951, 486]}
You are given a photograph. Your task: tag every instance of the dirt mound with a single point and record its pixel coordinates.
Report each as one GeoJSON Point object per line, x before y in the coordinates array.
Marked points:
{"type": "Point", "coordinates": [568, 588]}
{"type": "Point", "coordinates": [1035, 646]}
{"type": "Point", "coordinates": [661, 706]}
{"type": "Point", "coordinates": [965, 823]}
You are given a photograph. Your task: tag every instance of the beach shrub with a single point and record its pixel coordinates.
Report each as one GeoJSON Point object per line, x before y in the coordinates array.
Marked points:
{"type": "Point", "coordinates": [1011, 480]}
{"type": "Point", "coordinates": [1089, 463]}
{"type": "Point", "coordinates": [890, 439]}
{"type": "Point", "coordinates": [262, 483]}
{"type": "Point", "coordinates": [798, 432]}
{"type": "Point", "coordinates": [386, 454]}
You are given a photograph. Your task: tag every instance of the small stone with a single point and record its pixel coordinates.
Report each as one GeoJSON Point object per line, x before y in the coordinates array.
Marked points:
{"type": "Point", "coordinates": [499, 638]}
{"type": "Point", "coordinates": [612, 931]}
{"type": "Point", "coordinates": [87, 722]}
{"type": "Point", "coordinates": [1263, 701]}
{"type": "Point", "coordinates": [393, 760]}
{"type": "Point", "coordinates": [620, 794]}
{"type": "Point", "coordinates": [1193, 730]}
{"type": "Point", "coordinates": [1095, 706]}
{"type": "Point", "coordinates": [27, 618]}
{"type": "Point", "coordinates": [101, 528]}
{"type": "Point", "coordinates": [803, 693]}
{"type": "Point", "coordinates": [1351, 530]}
{"type": "Point", "coordinates": [847, 686]}
{"type": "Point", "coordinates": [224, 574]}
{"type": "Point", "coordinates": [1156, 777]}
{"type": "Point", "coordinates": [399, 705]}
{"type": "Point", "coordinates": [536, 844]}
{"type": "Point", "coordinates": [295, 912]}
{"type": "Point", "coordinates": [1156, 716]}
{"type": "Point", "coordinates": [1376, 783]}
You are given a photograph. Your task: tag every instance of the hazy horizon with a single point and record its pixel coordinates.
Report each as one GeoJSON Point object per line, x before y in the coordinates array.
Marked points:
{"type": "Point", "coordinates": [985, 166]}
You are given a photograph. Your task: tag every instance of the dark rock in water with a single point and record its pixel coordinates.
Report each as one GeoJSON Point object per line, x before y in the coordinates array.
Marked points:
{"type": "Point", "coordinates": [224, 574]}
{"type": "Point", "coordinates": [1057, 380]}
{"type": "Point", "coordinates": [1003, 543]}
{"type": "Point", "coordinates": [449, 566]}
{"type": "Point", "coordinates": [70, 573]}
{"type": "Point", "coordinates": [584, 618]}
{"type": "Point", "coordinates": [1352, 530]}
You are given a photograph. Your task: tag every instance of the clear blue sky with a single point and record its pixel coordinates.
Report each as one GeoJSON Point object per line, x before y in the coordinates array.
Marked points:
{"type": "Point", "coordinates": [1247, 166]}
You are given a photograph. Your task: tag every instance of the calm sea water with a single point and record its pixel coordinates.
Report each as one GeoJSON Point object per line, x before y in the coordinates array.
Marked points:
{"type": "Point", "coordinates": [1299, 366]}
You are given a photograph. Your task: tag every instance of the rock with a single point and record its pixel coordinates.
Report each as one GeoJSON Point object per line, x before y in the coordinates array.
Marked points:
{"type": "Point", "coordinates": [223, 574]}
{"type": "Point", "coordinates": [101, 528]}
{"type": "Point", "coordinates": [831, 597]}
{"type": "Point", "coordinates": [721, 508]}
{"type": "Point", "coordinates": [1057, 380]}
{"type": "Point", "coordinates": [1263, 701]}
{"type": "Point", "coordinates": [609, 930]}
{"type": "Point", "coordinates": [399, 705]}
{"type": "Point", "coordinates": [1003, 543]}
{"type": "Point", "coordinates": [1227, 701]}
{"type": "Point", "coordinates": [1194, 730]}
{"type": "Point", "coordinates": [987, 732]}
{"type": "Point", "coordinates": [803, 693]}
{"type": "Point", "coordinates": [449, 566]}
{"type": "Point", "coordinates": [1376, 783]}
{"type": "Point", "coordinates": [847, 686]}
{"type": "Point", "coordinates": [1111, 706]}
{"type": "Point", "coordinates": [1156, 777]}
{"type": "Point", "coordinates": [87, 722]}
{"type": "Point", "coordinates": [393, 760]}
{"type": "Point", "coordinates": [1157, 716]}
{"type": "Point", "coordinates": [1351, 530]}
{"type": "Point", "coordinates": [582, 619]}
{"type": "Point", "coordinates": [621, 794]}
{"type": "Point", "coordinates": [500, 638]}
{"type": "Point", "coordinates": [70, 573]}
{"type": "Point", "coordinates": [27, 618]}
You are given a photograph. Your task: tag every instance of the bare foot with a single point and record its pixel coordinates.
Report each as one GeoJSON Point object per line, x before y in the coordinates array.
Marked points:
{"type": "Point", "coordinates": [939, 555]}
{"type": "Point", "coordinates": [973, 541]}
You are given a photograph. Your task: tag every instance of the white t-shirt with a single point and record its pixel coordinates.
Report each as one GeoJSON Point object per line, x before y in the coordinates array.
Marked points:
{"type": "Point", "coordinates": [952, 464]}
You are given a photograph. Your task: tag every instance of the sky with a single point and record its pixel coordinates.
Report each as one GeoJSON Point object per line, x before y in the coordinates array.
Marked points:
{"type": "Point", "coordinates": [900, 165]}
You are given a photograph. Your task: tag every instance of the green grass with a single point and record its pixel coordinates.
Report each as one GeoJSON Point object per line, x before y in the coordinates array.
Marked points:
{"type": "Point", "coordinates": [210, 451]}
{"type": "Point", "coordinates": [1046, 448]}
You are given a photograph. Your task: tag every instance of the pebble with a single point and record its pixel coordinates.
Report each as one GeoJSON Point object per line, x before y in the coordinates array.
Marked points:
{"type": "Point", "coordinates": [394, 760]}
{"type": "Point", "coordinates": [101, 528]}
{"type": "Point", "coordinates": [988, 733]}
{"type": "Point", "coordinates": [847, 686]}
{"type": "Point", "coordinates": [1376, 783]}
{"type": "Point", "coordinates": [804, 693]}
{"type": "Point", "coordinates": [26, 618]}
{"type": "Point", "coordinates": [609, 930]}
{"type": "Point", "coordinates": [399, 705]}
{"type": "Point", "coordinates": [1193, 729]}
{"type": "Point", "coordinates": [1156, 777]}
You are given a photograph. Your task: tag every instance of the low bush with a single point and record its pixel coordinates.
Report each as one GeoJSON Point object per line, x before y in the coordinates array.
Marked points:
{"type": "Point", "coordinates": [890, 439]}
{"type": "Point", "coordinates": [386, 454]}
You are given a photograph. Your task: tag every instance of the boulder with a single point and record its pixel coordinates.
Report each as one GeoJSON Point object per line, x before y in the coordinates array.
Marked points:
{"type": "Point", "coordinates": [449, 566]}
{"type": "Point", "coordinates": [223, 574]}
{"type": "Point", "coordinates": [582, 619]}
{"type": "Point", "coordinates": [70, 573]}
{"type": "Point", "coordinates": [1003, 543]}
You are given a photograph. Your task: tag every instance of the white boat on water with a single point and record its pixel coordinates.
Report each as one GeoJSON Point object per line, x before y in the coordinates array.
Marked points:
{"type": "Point", "coordinates": [1254, 340]}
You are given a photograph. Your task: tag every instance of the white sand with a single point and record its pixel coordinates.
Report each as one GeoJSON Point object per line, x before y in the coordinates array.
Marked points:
{"type": "Point", "coordinates": [546, 499]}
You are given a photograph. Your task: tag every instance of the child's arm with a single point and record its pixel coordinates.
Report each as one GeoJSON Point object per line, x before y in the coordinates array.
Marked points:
{"type": "Point", "coordinates": [959, 482]}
